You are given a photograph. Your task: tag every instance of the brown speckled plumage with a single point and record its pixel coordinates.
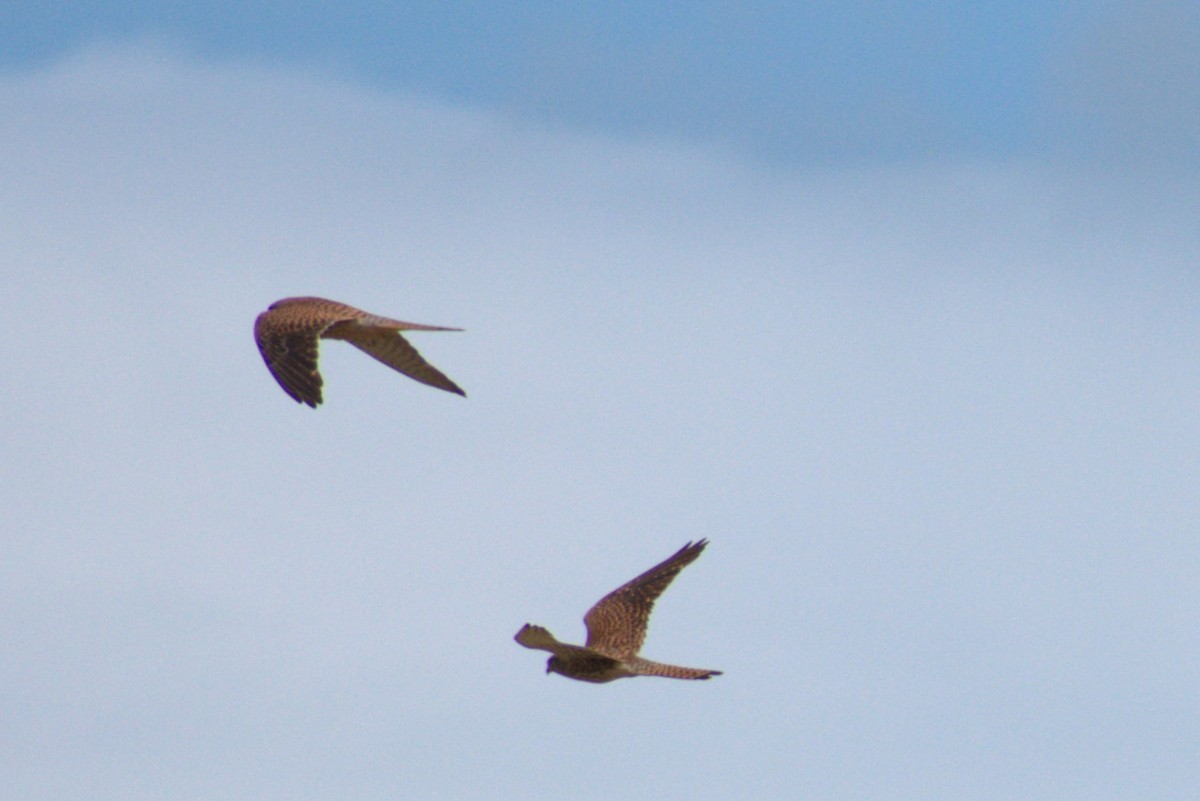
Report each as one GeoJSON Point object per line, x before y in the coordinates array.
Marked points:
{"type": "Point", "coordinates": [616, 628]}
{"type": "Point", "coordinates": [287, 334]}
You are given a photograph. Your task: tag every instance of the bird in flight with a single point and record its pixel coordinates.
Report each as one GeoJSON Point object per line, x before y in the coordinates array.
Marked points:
{"type": "Point", "coordinates": [616, 628]}
{"type": "Point", "coordinates": [287, 334]}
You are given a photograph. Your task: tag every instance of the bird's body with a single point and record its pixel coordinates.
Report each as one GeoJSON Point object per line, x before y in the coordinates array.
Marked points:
{"type": "Point", "coordinates": [288, 331]}
{"type": "Point", "coordinates": [616, 628]}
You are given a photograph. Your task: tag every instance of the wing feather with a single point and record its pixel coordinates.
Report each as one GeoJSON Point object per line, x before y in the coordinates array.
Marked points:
{"type": "Point", "coordinates": [289, 348]}
{"type": "Point", "coordinates": [389, 347]}
{"type": "Point", "coordinates": [617, 624]}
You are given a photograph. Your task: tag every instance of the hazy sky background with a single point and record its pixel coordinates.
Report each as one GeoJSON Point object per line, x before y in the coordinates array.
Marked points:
{"type": "Point", "coordinates": [896, 304]}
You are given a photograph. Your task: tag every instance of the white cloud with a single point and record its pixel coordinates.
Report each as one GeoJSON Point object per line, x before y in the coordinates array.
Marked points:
{"type": "Point", "coordinates": [938, 423]}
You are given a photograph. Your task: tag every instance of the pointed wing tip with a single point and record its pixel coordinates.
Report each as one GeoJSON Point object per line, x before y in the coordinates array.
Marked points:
{"type": "Point", "coordinates": [446, 384]}
{"type": "Point", "coordinates": [312, 403]}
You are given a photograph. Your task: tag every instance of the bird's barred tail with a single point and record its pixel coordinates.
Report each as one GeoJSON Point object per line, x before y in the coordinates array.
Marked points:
{"type": "Point", "coordinates": [645, 667]}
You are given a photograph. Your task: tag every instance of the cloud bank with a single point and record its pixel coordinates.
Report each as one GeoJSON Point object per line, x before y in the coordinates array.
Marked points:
{"type": "Point", "coordinates": [937, 420]}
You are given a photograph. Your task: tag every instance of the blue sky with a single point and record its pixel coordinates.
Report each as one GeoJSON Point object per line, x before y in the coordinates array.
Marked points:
{"type": "Point", "coordinates": [897, 307]}
{"type": "Point", "coordinates": [810, 84]}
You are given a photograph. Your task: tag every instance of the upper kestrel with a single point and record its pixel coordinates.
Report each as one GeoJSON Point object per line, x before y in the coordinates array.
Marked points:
{"type": "Point", "coordinates": [616, 627]}
{"type": "Point", "coordinates": [287, 334]}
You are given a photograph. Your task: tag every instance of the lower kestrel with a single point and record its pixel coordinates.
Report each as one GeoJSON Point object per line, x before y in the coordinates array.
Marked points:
{"type": "Point", "coordinates": [616, 628]}
{"type": "Point", "coordinates": [287, 334]}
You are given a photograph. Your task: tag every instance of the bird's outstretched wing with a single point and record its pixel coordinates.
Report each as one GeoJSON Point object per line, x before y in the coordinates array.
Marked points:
{"type": "Point", "coordinates": [617, 624]}
{"type": "Point", "coordinates": [287, 334]}
{"type": "Point", "coordinates": [386, 345]}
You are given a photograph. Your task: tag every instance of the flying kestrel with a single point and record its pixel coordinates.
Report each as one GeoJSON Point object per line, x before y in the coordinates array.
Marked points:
{"type": "Point", "coordinates": [287, 334]}
{"type": "Point", "coordinates": [616, 627]}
